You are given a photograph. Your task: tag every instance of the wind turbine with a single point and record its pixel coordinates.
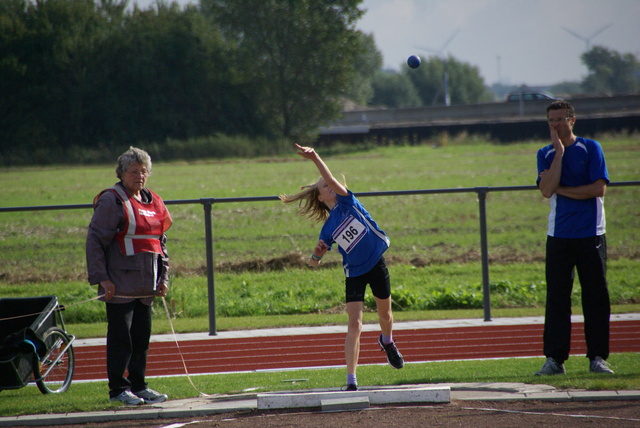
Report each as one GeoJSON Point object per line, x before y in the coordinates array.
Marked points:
{"type": "Point", "coordinates": [587, 40]}
{"type": "Point", "coordinates": [442, 50]}
{"type": "Point", "coordinates": [442, 53]}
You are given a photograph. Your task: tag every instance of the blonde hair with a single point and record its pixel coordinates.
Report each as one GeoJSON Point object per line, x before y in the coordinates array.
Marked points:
{"type": "Point", "coordinates": [308, 203]}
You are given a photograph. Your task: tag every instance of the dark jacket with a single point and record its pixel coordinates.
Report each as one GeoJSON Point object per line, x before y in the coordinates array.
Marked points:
{"type": "Point", "coordinates": [137, 275]}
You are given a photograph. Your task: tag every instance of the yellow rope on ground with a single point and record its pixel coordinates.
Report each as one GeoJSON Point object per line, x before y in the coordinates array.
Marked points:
{"type": "Point", "coordinates": [184, 364]}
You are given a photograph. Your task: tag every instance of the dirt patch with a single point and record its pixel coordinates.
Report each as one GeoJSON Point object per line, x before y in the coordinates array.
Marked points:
{"type": "Point", "coordinates": [288, 261]}
{"type": "Point", "coordinates": [498, 255]}
{"type": "Point", "coordinates": [300, 261]}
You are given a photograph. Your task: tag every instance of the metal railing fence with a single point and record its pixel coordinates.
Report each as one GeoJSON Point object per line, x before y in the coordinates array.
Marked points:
{"type": "Point", "coordinates": [208, 203]}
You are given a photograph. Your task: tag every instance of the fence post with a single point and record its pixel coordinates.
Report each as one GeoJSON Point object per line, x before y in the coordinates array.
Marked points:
{"type": "Point", "coordinates": [207, 203]}
{"type": "Point", "coordinates": [484, 252]}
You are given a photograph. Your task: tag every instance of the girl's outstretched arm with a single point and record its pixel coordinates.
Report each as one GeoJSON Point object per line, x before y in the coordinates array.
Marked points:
{"type": "Point", "coordinates": [310, 153]}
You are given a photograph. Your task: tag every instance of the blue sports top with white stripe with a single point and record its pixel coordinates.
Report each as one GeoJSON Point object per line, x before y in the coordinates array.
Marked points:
{"type": "Point", "coordinates": [583, 163]}
{"type": "Point", "coordinates": [360, 241]}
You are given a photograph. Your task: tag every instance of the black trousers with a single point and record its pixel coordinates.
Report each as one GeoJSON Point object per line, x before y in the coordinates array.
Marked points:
{"type": "Point", "coordinates": [589, 257]}
{"type": "Point", "coordinates": [128, 334]}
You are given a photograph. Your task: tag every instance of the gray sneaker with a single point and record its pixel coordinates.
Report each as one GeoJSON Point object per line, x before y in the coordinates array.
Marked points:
{"type": "Point", "coordinates": [598, 365]}
{"type": "Point", "coordinates": [128, 398]}
{"type": "Point", "coordinates": [150, 396]}
{"type": "Point", "coordinates": [550, 367]}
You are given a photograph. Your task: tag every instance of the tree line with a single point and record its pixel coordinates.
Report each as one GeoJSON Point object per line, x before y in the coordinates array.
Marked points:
{"type": "Point", "coordinates": [81, 79]}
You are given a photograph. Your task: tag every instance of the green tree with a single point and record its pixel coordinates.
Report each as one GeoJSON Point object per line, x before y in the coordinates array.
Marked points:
{"type": "Point", "coordinates": [52, 52]}
{"type": "Point", "coordinates": [298, 55]}
{"type": "Point", "coordinates": [465, 84]}
{"type": "Point", "coordinates": [610, 71]}
{"type": "Point", "coordinates": [394, 90]}
{"type": "Point", "coordinates": [566, 89]}
{"type": "Point", "coordinates": [367, 65]}
{"type": "Point", "coordinates": [162, 74]}
{"type": "Point", "coordinates": [13, 102]}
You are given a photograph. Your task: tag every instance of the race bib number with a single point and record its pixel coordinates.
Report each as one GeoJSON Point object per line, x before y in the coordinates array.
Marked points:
{"type": "Point", "coordinates": [349, 233]}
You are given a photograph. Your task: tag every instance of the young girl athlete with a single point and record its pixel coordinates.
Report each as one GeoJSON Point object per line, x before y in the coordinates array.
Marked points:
{"type": "Point", "coordinates": [362, 244]}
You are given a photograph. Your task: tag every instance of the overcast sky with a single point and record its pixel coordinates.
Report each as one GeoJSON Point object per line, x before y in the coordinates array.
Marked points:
{"type": "Point", "coordinates": [510, 41]}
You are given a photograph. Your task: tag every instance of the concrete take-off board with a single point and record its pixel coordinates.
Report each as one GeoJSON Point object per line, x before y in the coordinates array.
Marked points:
{"type": "Point", "coordinates": [374, 396]}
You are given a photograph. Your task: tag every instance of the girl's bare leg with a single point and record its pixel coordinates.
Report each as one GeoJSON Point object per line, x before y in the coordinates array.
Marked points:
{"type": "Point", "coordinates": [385, 315]}
{"type": "Point", "coordinates": [352, 342]}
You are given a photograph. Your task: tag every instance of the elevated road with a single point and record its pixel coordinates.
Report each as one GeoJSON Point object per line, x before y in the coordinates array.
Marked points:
{"type": "Point", "coordinates": [503, 121]}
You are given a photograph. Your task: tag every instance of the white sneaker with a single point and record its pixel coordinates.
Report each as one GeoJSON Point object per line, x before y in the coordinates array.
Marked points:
{"type": "Point", "coordinates": [150, 396]}
{"type": "Point", "coordinates": [128, 398]}
{"type": "Point", "coordinates": [598, 365]}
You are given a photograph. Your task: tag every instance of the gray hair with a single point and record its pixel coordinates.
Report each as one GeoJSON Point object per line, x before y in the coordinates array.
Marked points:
{"type": "Point", "coordinates": [131, 156]}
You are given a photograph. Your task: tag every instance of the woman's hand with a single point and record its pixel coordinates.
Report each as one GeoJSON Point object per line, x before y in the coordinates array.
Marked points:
{"type": "Point", "coordinates": [109, 289]}
{"type": "Point", "coordinates": [162, 290]}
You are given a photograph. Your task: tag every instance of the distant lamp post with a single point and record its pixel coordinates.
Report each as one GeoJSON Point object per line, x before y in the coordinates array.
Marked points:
{"type": "Point", "coordinates": [447, 98]}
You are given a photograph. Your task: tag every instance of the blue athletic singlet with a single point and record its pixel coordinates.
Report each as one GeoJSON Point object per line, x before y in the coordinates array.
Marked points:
{"type": "Point", "coordinates": [583, 163]}
{"type": "Point", "coordinates": [359, 239]}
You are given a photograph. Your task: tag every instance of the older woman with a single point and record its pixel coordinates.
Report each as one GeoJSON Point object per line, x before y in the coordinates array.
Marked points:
{"type": "Point", "coordinates": [127, 259]}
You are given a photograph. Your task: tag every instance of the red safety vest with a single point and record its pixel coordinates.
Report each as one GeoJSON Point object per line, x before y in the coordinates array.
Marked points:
{"type": "Point", "coordinates": [144, 223]}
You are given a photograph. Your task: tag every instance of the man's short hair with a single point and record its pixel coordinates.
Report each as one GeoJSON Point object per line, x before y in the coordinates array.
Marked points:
{"type": "Point", "coordinates": [562, 105]}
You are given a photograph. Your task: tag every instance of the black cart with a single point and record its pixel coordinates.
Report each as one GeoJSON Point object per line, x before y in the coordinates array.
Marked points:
{"type": "Point", "coordinates": [34, 345]}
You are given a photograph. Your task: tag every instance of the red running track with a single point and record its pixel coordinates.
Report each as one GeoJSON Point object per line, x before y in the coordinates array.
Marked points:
{"type": "Point", "coordinates": [217, 355]}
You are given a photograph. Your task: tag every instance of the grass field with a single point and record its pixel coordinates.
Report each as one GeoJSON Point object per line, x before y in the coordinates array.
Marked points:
{"type": "Point", "coordinates": [260, 247]}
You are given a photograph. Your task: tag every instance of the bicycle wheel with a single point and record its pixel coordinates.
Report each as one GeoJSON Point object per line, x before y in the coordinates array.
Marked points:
{"type": "Point", "coordinates": [56, 368]}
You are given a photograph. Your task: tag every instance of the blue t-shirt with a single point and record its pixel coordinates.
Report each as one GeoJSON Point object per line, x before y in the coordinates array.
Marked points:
{"type": "Point", "coordinates": [359, 239]}
{"type": "Point", "coordinates": [583, 163]}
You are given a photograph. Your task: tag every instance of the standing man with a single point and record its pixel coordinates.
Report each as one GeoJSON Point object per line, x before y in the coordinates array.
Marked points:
{"type": "Point", "coordinates": [572, 173]}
